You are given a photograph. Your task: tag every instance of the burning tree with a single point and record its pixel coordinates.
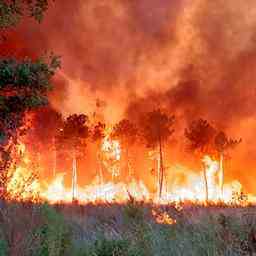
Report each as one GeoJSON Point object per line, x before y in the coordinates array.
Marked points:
{"type": "Point", "coordinates": [73, 137]}
{"type": "Point", "coordinates": [23, 83]}
{"type": "Point", "coordinates": [23, 87]}
{"type": "Point", "coordinates": [98, 133]}
{"type": "Point", "coordinates": [44, 120]}
{"type": "Point", "coordinates": [200, 135]}
{"type": "Point", "coordinates": [222, 143]}
{"type": "Point", "coordinates": [125, 132]}
{"type": "Point", "coordinates": [156, 130]}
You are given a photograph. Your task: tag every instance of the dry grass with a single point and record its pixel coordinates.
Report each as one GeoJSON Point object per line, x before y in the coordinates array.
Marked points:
{"type": "Point", "coordinates": [126, 230]}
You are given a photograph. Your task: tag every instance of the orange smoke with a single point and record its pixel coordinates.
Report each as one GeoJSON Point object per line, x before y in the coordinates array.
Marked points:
{"type": "Point", "coordinates": [195, 58]}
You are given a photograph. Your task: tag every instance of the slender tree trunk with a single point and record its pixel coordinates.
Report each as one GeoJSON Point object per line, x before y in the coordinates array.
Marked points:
{"type": "Point", "coordinates": [54, 162]}
{"type": "Point", "coordinates": [206, 184]}
{"type": "Point", "coordinates": [54, 158]}
{"type": "Point", "coordinates": [128, 165]}
{"type": "Point", "coordinates": [161, 169]}
{"type": "Point", "coordinates": [99, 159]}
{"type": "Point", "coordinates": [74, 177]}
{"type": "Point", "coordinates": [221, 174]}
{"type": "Point", "coordinates": [158, 173]}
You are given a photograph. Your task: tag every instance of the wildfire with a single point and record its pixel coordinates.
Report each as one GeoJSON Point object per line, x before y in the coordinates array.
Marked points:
{"type": "Point", "coordinates": [111, 152]}
{"type": "Point", "coordinates": [163, 218]}
{"type": "Point", "coordinates": [24, 184]}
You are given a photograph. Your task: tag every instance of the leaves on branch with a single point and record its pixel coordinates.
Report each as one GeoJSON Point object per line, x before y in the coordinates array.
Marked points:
{"type": "Point", "coordinates": [11, 12]}
{"type": "Point", "coordinates": [27, 76]}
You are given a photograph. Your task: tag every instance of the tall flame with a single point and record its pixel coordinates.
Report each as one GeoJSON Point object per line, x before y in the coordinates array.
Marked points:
{"type": "Point", "coordinates": [24, 184]}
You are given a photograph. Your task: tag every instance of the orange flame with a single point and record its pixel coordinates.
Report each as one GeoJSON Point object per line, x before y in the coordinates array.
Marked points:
{"type": "Point", "coordinates": [23, 184]}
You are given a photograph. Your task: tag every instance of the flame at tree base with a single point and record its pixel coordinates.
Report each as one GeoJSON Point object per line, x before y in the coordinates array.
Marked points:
{"type": "Point", "coordinates": [24, 185]}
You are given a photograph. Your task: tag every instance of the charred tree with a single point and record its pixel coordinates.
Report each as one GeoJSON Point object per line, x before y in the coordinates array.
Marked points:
{"type": "Point", "coordinates": [200, 135]}
{"type": "Point", "coordinates": [97, 135]}
{"type": "Point", "coordinates": [222, 144]}
{"type": "Point", "coordinates": [72, 138]}
{"type": "Point", "coordinates": [126, 133]}
{"type": "Point", "coordinates": [156, 129]}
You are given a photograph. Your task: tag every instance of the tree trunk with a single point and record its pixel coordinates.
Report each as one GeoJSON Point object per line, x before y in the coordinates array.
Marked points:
{"type": "Point", "coordinates": [128, 165]}
{"type": "Point", "coordinates": [221, 175]}
{"type": "Point", "coordinates": [161, 169]}
{"type": "Point", "coordinates": [74, 177]}
{"type": "Point", "coordinates": [100, 166]}
{"type": "Point", "coordinates": [54, 158]}
{"type": "Point", "coordinates": [158, 173]}
{"type": "Point", "coordinates": [54, 162]}
{"type": "Point", "coordinates": [206, 184]}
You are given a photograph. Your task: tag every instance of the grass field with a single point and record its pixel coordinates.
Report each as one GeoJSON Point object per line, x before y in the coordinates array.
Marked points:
{"type": "Point", "coordinates": [133, 229]}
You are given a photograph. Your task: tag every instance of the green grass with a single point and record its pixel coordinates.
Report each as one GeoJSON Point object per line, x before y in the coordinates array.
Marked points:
{"type": "Point", "coordinates": [125, 230]}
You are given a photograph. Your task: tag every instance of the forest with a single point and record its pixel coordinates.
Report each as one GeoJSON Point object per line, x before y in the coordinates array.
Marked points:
{"type": "Point", "coordinates": [127, 129]}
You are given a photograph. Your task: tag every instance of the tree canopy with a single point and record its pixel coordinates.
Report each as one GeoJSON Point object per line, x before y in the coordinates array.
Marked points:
{"type": "Point", "coordinates": [125, 131]}
{"type": "Point", "coordinates": [23, 86]}
{"type": "Point", "coordinates": [23, 83]}
{"type": "Point", "coordinates": [11, 12]}
{"type": "Point", "coordinates": [73, 134]}
{"type": "Point", "coordinates": [156, 126]}
{"type": "Point", "coordinates": [200, 134]}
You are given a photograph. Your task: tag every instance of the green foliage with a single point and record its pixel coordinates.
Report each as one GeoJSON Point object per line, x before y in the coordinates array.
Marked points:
{"type": "Point", "coordinates": [198, 232]}
{"type": "Point", "coordinates": [11, 12]}
{"type": "Point", "coordinates": [3, 248]}
{"type": "Point", "coordinates": [23, 86]}
{"type": "Point", "coordinates": [54, 234]}
{"type": "Point", "coordinates": [27, 76]}
{"type": "Point", "coordinates": [104, 247]}
{"type": "Point", "coordinates": [133, 211]}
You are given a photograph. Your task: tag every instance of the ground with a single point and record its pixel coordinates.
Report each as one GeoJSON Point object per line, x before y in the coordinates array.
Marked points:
{"type": "Point", "coordinates": [131, 229]}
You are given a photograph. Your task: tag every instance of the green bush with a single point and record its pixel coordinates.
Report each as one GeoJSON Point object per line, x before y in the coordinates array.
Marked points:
{"type": "Point", "coordinates": [134, 211]}
{"type": "Point", "coordinates": [54, 234]}
{"type": "Point", "coordinates": [3, 248]}
{"type": "Point", "coordinates": [104, 247]}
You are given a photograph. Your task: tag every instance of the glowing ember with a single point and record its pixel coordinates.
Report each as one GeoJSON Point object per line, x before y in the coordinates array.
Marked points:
{"type": "Point", "coordinates": [23, 185]}
{"type": "Point", "coordinates": [163, 218]}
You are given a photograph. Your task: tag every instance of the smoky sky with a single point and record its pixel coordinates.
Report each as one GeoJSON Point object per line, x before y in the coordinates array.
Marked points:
{"type": "Point", "coordinates": [197, 56]}
{"type": "Point", "coordinates": [194, 58]}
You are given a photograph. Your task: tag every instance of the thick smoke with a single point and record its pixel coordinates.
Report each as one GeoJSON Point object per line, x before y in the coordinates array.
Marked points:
{"type": "Point", "coordinates": [195, 58]}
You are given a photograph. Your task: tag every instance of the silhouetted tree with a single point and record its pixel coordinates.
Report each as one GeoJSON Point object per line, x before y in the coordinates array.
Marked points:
{"type": "Point", "coordinates": [40, 138]}
{"type": "Point", "coordinates": [157, 127]}
{"type": "Point", "coordinates": [222, 143]}
{"type": "Point", "coordinates": [126, 133]}
{"type": "Point", "coordinates": [200, 135]}
{"type": "Point", "coordinates": [23, 83]}
{"type": "Point", "coordinates": [97, 135]}
{"type": "Point", "coordinates": [73, 137]}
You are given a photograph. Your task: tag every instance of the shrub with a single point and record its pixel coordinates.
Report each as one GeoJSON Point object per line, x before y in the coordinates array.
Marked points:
{"type": "Point", "coordinates": [54, 234]}
{"type": "Point", "coordinates": [3, 248]}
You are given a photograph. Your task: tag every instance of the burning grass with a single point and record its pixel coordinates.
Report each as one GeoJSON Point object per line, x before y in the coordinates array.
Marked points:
{"type": "Point", "coordinates": [130, 229]}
